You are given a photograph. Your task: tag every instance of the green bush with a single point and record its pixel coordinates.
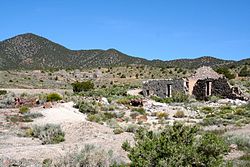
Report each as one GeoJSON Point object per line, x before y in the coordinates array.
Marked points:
{"type": "Point", "coordinates": [3, 92]}
{"type": "Point", "coordinates": [126, 100]}
{"type": "Point", "coordinates": [23, 109]}
{"type": "Point", "coordinates": [177, 97]}
{"type": "Point", "coordinates": [94, 118]}
{"type": "Point", "coordinates": [180, 97]}
{"type": "Point", "coordinates": [244, 72]}
{"type": "Point", "coordinates": [82, 86]}
{"type": "Point", "coordinates": [118, 130]}
{"type": "Point", "coordinates": [126, 146]}
{"type": "Point", "coordinates": [87, 107]}
{"type": "Point", "coordinates": [162, 115]}
{"type": "Point", "coordinates": [179, 114]}
{"type": "Point", "coordinates": [177, 145]}
{"type": "Point", "coordinates": [225, 71]}
{"type": "Point", "coordinates": [53, 97]}
{"type": "Point", "coordinates": [207, 109]}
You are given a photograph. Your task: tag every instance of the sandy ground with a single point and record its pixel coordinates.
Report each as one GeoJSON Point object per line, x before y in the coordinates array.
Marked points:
{"type": "Point", "coordinates": [78, 132]}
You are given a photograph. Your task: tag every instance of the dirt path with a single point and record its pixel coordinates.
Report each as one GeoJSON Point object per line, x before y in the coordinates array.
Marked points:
{"type": "Point", "coordinates": [78, 132]}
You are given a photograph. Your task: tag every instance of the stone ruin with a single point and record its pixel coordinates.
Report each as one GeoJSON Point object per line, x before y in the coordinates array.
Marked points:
{"type": "Point", "coordinates": [163, 87]}
{"type": "Point", "coordinates": [205, 82]}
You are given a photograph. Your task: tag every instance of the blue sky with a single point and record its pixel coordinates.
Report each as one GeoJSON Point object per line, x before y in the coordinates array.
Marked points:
{"type": "Point", "coordinates": [152, 29]}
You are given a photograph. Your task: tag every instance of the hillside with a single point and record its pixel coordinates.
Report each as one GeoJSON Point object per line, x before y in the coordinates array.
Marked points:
{"type": "Point", "coordinates": [198, 62]}
{"type": "Point", "coordinates": [29, 51]}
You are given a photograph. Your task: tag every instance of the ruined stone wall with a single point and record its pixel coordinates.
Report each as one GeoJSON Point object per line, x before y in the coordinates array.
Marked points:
{"type": "Point", "coordinates": [159, 87]}
{"type": "Point", "coordinates": [220, 87]}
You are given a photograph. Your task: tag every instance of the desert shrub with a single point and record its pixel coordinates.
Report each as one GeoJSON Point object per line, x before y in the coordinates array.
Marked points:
{"type": "Point", "coordinates": [161, 100]}
{"type": "Point", "coordinates": [82, 86]}
{"type": "Point", "coordinates": [33, 115]}
{"type": "Point", "coordinates": [179, 114]}
{"type": "Point", "coordinates": [48, 134]}
{"type": "Point", "coordinates": [47, 162]}
{"type": "Point", "coordinates": [23, 109]}
{"type": "Point", "coordinates": [3, 92]}
{"type": "Point", "coordinates": [53, 97]}
{"type": "Point", "coordinates": [28, 132]}
{"type": "Point", "coordinates": [119, 114]}
{"type": "Point", "coordinates": [244, 72]}
{"type": "Point", "coordinates": [177, 97]}
{"type": "Point", "coordinates": [214, 98]}
{"type": "Point", "coordinates": [87, 107]}
{"type": "Point", "coordinates": [180, 97]}
{"type": "Point", "coordinates": [211, 121]}
{"type": "Point", "coordinates": [225, 71]}
{"type": "Point", "coordinates": [227, 115]}
{"type": "Point", "coordinates": [7, 100]}
{"type": "Point", "coordinates": [108, 108]}
{"type": "Point", "coordinates": [177, 145]}
{"type": "Point", "coordinates": [118, 130]}
{"type": "Point", "coordinates": [126, 145]}
{"type": "Point", "coordinates": [162, 115]}
{"type": "Point", "coordinates": [207, 109]}
{"type": "Point", "coordinates": [241, 140]}
{"type": "Point", "coordinates": [25, 117]}
{"type": "Point", "coordinates": [239, 111]}
{"type": "Point", "coordinates": [133, 115]}
{"type": "Point", "coordinates": [126, 100]}
{"type": "Point", "coordinates": [112, 123]}
{"type": "Point", "coordinates": [90, 156]}
{"type": "Point", "coordinates": [18, 118]}
{"type": "Point", "coordinates": [132, 128]}
{"type": "Point", "coordinates": [101, 117]}
{"type": "Point", "coordinates": [139, 110]}
{"type": "Point", "coordinates": [94, 118]}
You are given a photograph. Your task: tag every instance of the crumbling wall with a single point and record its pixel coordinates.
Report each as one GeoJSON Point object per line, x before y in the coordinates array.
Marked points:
{"type": "Point", "coordinates": [159, 87]}
{"type": "Point", "coordinates": [220, 87]}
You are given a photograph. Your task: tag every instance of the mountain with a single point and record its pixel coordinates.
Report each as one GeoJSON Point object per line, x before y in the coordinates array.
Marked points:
{"type": "Point", "coordinates": [30, 51]}
{"type": "Point", "coordinates": [198, 62]}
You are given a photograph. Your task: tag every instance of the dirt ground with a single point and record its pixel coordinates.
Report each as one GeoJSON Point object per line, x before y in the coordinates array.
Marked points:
{"type": "Point", "coordinates": [78, 132]}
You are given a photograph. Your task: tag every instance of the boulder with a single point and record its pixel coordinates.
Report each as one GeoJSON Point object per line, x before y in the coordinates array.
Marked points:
{"type": "Point", "coordinates": [47, 105]}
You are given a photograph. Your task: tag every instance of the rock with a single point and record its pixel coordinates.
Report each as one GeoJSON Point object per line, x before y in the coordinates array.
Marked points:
{"type": "Point", "coordinates": [233, 147]}
{"type": "Point", "coordinates": [136, 102]}
{"type": "Point", "coordinates": [62, 101]}
{"type": "Point", "coordinates": [224, 101]}
{"type": "Point", "coordinates": [119, 119]}
{"type": "Point", "coordinates": [104, 100]}
{"type": "Point", "coordinates": [141, 118]}
{"type": "Point", "coordinates": [47, 105]}
{"type": "Point", "coordinates": [239, 102]}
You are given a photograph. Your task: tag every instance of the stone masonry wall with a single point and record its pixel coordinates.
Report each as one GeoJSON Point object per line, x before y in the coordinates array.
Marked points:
{"type": "Point", "coordinates": [220, 87]}
{"type": "Point", "coordinates": [159, 87]}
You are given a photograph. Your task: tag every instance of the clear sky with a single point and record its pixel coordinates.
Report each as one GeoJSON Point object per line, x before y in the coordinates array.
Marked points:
{"type": "Point", "coordinates": [152, 29]}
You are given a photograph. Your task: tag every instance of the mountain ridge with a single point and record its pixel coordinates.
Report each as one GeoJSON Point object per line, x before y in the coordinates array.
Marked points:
{"type": "Point", "coordinates": [30, 51]}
